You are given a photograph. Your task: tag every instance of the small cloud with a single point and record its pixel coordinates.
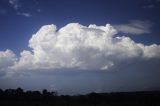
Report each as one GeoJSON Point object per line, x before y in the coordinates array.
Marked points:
{"type": "Point", "coordinates": [24, 14]}
{"type": "Point", "coordinates": [149, 6]}
{"type": "Point", "coordinates": [38, 10]}
{"type": "Point", "coordinates": [36, 2]}
{"type": "Point", "coordinates": [15, 4]}
{"type": "Point", "coordinates": [135, 27]}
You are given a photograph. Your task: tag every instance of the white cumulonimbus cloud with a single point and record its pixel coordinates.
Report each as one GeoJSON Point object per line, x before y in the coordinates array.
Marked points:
{"type": "Point", "coordinates": [75, 46]}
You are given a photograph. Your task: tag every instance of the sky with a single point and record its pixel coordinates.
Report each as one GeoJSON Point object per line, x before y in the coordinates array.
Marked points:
{"type": "Point", "coordinates": [80, 46]}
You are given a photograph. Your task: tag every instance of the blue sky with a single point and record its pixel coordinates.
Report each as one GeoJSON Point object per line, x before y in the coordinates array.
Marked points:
{"type": "Point", "coordinates": [137, 20]}
{"type": "Point", "coordinates": [17, 29]}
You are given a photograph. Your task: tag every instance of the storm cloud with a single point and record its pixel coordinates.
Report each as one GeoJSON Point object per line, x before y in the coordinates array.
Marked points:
{"type": "Point", "coordinates": [92, 58]}
{"type": "Point", "coordinates": [77, 47]}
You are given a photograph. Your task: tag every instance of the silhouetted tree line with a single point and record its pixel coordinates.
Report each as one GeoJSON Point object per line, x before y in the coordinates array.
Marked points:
{"type": "Point", "coordinates": [19, 94]}
{"type": "Point", "coordinates": [36, 98]}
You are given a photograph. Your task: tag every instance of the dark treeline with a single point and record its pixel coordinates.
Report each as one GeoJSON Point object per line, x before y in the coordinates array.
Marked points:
{"type": "Point", "coordinates": [18, 97]}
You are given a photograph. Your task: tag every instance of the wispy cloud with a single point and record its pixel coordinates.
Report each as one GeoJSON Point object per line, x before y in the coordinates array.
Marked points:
{"type": "Point", "coordinates": [135, 27]}
{"type": "Point", "coordinates": [15, 4]}
{"type": "Point", "coordinates": [149, 6]}
{"type": "Point", "coordinates": [24, 14]}
{"type": "Point", "coordinates": [19, 8]}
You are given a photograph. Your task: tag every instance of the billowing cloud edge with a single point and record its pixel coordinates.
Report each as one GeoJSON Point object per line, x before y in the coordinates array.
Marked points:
{"type": "Point", "coordinates": [75, 46]}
